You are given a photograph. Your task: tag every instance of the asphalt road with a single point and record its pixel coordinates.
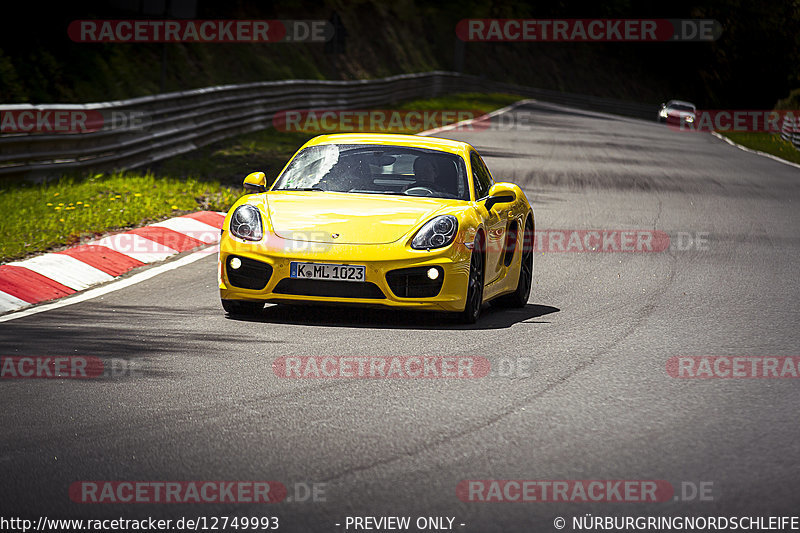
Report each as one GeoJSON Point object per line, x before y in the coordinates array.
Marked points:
{"type": "Point", "coordinates": [597, 403]}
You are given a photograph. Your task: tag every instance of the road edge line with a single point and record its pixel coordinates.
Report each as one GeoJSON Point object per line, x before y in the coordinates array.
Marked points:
{"type": "Point", "coordinates": [757, 152]}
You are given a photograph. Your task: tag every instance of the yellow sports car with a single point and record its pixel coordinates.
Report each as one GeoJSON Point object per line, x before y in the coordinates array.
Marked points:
{"type": "Point", "coordinates": [399, 221]}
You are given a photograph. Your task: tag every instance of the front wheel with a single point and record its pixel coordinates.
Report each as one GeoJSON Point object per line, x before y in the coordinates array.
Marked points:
{"type": "Point", "coordinates": [241, 307]}
{"type": "Point", "coordinates": [519, 298]}
{"type": "Point", "coordinates": [474, 299]}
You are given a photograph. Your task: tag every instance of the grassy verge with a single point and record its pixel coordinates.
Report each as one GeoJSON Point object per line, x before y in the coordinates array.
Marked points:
{"type": "Point", "coordinates": [229, 161]}
{"type": "Point", "coordinates": [41, 217]}
{"type": "Point", "coordinates": [472, 101]}
{"type": "Point", "coordinates": [68, 211]}
{"type": "Point", "coordinates": [770, 143]}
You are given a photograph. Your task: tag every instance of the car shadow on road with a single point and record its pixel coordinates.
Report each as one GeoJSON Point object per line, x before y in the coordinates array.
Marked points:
{"type": "Point", "coordinates": [492, 317]}
{"type": "Point", "coordinates": [131, 342]}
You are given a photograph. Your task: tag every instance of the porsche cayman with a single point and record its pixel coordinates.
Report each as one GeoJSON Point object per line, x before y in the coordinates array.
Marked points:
{"type": "Point", "coordinates": [399, 221]}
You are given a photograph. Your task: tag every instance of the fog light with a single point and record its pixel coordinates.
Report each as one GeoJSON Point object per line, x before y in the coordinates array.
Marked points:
{"type": "Point", "coordinates": [235, 263]}
{"type": "Point", "coordinates": [433, 273]}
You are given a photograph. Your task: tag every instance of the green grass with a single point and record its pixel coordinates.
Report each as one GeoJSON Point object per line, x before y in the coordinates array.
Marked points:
{"type": "Point", "coordinates": [69, 211]}
{"type": "Point", "coordinates": [470, 101]}
{"type": "Point", "coordinates": [77, 208]}
{"type": "Point", "coordinates": [770, 143]}
{"type": "Point", "coordinates": [229, 161]}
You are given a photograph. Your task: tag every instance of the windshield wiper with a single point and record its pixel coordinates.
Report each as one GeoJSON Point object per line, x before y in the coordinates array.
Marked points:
{"type": "Point", "coordinates": [367, 191]}
{"type": "Point", "coordinates": [302, 189]}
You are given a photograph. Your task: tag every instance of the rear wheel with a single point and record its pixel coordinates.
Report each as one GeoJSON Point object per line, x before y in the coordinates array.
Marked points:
{"type": "Point", "coordinates": [474, 300]}
{"type": "Point", "coordinates": [242, 308]}
{"type": "Point", "coordinates": [519, 298]}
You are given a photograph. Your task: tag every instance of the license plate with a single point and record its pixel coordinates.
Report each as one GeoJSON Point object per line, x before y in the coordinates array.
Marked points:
{"type": "Point", "coordinates": [327, 271]}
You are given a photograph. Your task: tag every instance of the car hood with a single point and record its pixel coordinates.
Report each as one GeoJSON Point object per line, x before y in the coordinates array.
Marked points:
{"type": "Point", "coordinates": [315, 216]}
{"type": "Point", "coordinates": [680, 113]}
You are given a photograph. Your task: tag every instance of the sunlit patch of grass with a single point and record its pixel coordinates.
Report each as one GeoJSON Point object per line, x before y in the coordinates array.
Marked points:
{"type": "Point", "coordinates": [467, 101]}
{"type": "Point", "coordinates": [38, 217]}
{"type": "Point", "coordinates": [770, 143]}
{"type": "Point", "coordinates": [229, 161]}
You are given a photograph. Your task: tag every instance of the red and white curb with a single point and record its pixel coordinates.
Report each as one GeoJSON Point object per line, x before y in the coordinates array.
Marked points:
{"type": "Point", "coordinates": [59, 274]}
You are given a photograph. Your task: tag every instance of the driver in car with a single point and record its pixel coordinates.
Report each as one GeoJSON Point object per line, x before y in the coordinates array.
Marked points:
{"type": "Point", "coordinates": [430, 174]}
{"type": "Point", "coordinates": [425, 171]}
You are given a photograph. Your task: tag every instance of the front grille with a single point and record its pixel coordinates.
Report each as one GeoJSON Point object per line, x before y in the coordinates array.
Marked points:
{"type": "Point", "coordinates": [329, 288]}
{"type": "Point", "coordinates": [414, 282]}
{"type": "Point", "coordinates": [251, 274]}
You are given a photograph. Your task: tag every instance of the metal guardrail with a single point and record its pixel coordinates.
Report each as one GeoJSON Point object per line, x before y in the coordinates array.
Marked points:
{"type": "Point", "coordinates": [180, 122]}
{"type": "Point", "coordinates": [790, 130]}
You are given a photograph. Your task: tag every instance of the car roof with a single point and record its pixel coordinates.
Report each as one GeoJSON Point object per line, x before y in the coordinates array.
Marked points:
{"type": "Point", "coordinates": [680, 102]}
{"type": "Point", "coordinates": [391, 139]}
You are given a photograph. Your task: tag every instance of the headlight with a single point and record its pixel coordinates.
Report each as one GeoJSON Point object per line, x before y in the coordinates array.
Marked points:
{"type": "Point", "coordinates": [436, 233]}
{"type": "Point", "coordinates": [689, 118]}
{"type": "Point", "coordinates": [662, 112]}
{"type": "Point", "coordinates": [246, 223]}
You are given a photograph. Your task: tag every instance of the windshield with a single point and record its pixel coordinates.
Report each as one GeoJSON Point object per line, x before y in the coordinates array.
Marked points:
{"type": "Point", "coordinates": [376, 169]}
{"type": "Point", "coordinates": [681, 107]}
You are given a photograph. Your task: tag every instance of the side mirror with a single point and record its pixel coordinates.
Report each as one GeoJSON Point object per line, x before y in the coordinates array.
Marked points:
{"type": "Point", "coordinates": [256, 182]}
{"type": "Point", "coordinates": [500, 193]}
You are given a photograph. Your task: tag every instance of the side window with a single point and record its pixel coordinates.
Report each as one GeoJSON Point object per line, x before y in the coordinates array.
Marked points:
{"type": "Point", "coordinates": [480, 176]}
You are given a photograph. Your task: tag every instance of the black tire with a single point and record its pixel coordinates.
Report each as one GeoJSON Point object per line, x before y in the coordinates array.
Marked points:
{"type": "Point", "coordinates": [474, 300]}
{"type": "Point", "coordinates": [242, 308]}
{"type": "Point", "coordinates": [519, 298]}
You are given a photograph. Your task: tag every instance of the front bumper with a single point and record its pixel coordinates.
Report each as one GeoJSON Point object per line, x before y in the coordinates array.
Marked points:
{"type": "Point", "coordinates": [268, 262]}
